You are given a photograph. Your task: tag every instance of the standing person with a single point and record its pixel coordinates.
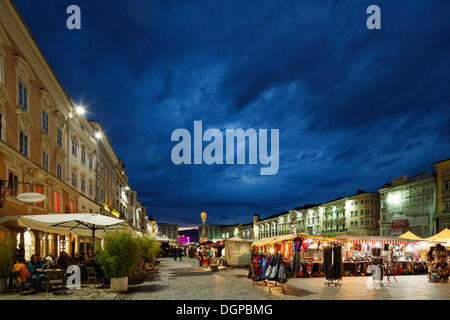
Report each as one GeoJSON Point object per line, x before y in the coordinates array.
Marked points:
{"type": "Point", "coordinates": [180, 254]}
{"type": "Point", "coordinates": [200, 256]}
{"type": "Point", "coordinates": [175, 253]}
{"type": "Point", "coordinates": [20, 253]}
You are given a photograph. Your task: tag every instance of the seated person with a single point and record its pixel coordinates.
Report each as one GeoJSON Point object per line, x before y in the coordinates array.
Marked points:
{"type": "Point", "coordinates": [36, 266]}
{"type": "Point", "coordinates": [25, 275]}
{"type": "Point", "coordinates": [76, 259]}
{"type": "Point", "coordinates": [63, 260]}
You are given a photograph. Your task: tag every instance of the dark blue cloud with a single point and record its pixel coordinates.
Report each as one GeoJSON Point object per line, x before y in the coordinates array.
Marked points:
{"type": "Point", "coordinates": [355, 108]}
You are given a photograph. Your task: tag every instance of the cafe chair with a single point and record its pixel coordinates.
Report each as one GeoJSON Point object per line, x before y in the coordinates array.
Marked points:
{"type": "Point", "coordinates": [93, 276]}
{"type": "Point", "coordinates": [19, 286]}
{"type": "Point", "coordinates": [56, 279]}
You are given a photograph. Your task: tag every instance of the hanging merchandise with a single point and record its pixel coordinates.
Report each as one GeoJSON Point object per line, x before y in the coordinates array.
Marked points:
{"type": "Point", "coordinates": [305, 246]}
{"type": "Point", "coordinates": [377, 275]}
{"type": "Point", "coordinates": [278, 272]}
{"type": "Point", "coordinates": [358, 247]}
{"type": "Point", "coordinates": [333, 264]}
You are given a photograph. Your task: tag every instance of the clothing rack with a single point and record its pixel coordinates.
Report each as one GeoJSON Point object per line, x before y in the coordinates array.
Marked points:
{"type": "Point", "coordinates": [270, 276]}
{"type": "Point", "coordinates": [333, 265]}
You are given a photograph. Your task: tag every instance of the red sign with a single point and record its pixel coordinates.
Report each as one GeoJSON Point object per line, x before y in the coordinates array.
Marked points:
{"type": "Point", "coordinates": [398, 226]}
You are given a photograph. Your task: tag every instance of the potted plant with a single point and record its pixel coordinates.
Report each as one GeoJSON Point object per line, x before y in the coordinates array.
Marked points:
{"type": "Point", "coordinates": [149, 250]}
{"type": "Point", "coordinates": [119, 258]}
{"type": "Point", "coordinates": [7, 255]}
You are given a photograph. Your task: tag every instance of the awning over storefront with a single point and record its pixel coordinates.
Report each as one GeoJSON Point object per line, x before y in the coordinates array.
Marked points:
{"type": "Point", "coordinates": [410, 236]}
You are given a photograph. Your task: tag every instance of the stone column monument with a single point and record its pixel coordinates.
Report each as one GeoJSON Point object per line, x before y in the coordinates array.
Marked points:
{"type": "Point", "coordinates": [204, 236]}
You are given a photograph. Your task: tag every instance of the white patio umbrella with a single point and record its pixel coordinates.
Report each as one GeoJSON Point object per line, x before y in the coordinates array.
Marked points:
{"type": "Point", "coordinates": [81, 224]}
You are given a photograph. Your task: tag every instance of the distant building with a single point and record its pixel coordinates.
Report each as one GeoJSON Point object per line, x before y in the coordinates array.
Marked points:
{"type": "Point", "coordinates": [443, 194]}
{"type": "Point", "coordinates": [408, 204]}
{"type": "Point", "coordinates": [169, 231]}
{"type": "Point", "coordinates": [354, 215]}
{"type": "Point", "coordinates": [215, 231]}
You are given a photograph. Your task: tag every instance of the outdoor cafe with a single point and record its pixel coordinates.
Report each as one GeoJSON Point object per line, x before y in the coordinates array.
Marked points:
{"type": "Point", "coordinates": [49, 272]}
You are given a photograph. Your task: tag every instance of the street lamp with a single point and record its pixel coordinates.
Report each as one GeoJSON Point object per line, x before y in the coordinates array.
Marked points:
{"type": "Point", "coordinates": [394, 199]}
{"type": "Point", "coordinates": [80, 110]}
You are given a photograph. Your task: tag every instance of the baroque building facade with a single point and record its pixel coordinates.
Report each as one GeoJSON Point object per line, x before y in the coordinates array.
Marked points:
{"type": "Point", "coordinates": [48, 147]}
{"type": "Point", "coordinates": [409, 204]}
{"type": "Point", "coordinates": [443, 194]}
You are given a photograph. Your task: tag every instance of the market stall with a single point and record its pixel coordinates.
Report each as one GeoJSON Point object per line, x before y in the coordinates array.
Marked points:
{"type": "Point", "coordinates": [442, 237]}
{"type": "Point", "coordinates": [302, 253]}
{"type": "Point", "coordinates": [238, 252]}
{"type": "Point", "coordinates": [403, 256]}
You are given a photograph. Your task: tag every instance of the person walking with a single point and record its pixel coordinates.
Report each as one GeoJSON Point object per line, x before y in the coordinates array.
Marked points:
{"type": "Point", "coordinates": [175, 253]}
{"type": "Point", "coordinates": [200, 256]}
{"type": "Point", "coordinates": [180, 254]}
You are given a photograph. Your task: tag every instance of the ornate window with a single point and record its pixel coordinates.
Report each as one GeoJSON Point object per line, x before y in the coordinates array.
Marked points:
{"type": "Point", "coordinates": [23, 76]}
{"type": "Point", "coordinates": [74, 179]}
{"type": "Point", "coordinates": [59, 171]}
{"type": "Point", "coordinates": [13, 181]}
{"type": "Point", "coordinates": [59, 137]}
{"type": "Point", "coordinates": [83, 155]}
{"type": "Point", "coordinates": [45, 160]}
{"type": "Point", "coordinates": [74, 147]}
{"type": "Point", "coordinates": [24, 139]}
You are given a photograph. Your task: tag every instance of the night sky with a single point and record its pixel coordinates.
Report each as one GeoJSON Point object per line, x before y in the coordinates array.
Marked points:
{"type": "Point", "coordinates": [355, 107]}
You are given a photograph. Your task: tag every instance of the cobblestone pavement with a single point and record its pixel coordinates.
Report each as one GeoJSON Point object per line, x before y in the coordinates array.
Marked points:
{"type": "Point", "coordinates": [174, 280]}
